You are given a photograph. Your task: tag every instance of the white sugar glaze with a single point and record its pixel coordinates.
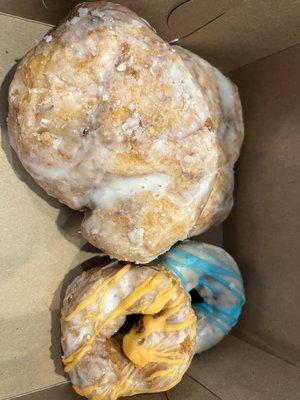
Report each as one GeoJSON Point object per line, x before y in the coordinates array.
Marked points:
{"type": "Point", "coordinates": [109, 118]}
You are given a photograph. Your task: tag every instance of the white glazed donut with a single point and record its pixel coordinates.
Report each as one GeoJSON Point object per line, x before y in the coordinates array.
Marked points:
{"type": "Point", "coordinates": [152, 356]}
{"type": "Point", "coordinates": [214, 274]}
{"type": "Point", "coordinates": [140, 135]}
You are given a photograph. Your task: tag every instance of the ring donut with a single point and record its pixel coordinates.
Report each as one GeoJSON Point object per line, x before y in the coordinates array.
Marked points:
{"type": "Point", "coordinates": [152, 356]}
{"type": "Point", "coordinates": [216, 277]}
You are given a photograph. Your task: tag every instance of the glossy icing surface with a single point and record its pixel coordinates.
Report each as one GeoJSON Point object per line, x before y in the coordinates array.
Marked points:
{"type": "Point", "coordinates": [141, 135]}
{"type": "Point", "coordinates": [152, 356]}
{"type": "Point", "coordinates": [216, 277]}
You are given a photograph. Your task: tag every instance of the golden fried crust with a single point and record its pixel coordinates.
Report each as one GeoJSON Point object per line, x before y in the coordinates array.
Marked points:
{"type": "Point", "coordinates": [109, 118]}
{"type": "Point", "coordinates": [152, 356]}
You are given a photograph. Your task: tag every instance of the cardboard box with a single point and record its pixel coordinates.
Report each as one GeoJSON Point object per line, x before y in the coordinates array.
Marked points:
{"type": "Point", "coordinates": [42, 251]}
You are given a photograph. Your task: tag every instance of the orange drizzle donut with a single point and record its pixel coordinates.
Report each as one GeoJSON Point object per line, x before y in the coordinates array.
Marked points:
{"type": "Point", "coordinates": [152, 356]}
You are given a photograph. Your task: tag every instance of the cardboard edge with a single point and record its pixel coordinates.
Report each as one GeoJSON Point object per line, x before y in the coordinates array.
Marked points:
{"type": "Point", "coordinates": [262, 58]}
{"type": "Point", "coordinates": [182, 7]}
{"type": "Point", "coordinates": [229, 362]}
{"type": "Point", "coordinates": [26, 19]}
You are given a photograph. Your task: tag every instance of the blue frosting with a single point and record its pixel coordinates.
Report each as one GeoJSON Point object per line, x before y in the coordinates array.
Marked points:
{"type": "Point", "coordinates": [216, 277]}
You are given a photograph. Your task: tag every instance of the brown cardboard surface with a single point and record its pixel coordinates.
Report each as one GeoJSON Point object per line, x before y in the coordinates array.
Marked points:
{"type": "Point", "coordinates": [263, 231]}
{"type": "Point", "coordinates": [59, 392]}
{"type": "Point", "coordinates": [235, 370]}
{"type": "Point", "coordinates": [235, 32]}
{"type": "Point", "coordinates": [190, 389]}
{"type": "Point", "coordinates": [41, 250]}
{"type": "Point", "coordinates": [51, 11]}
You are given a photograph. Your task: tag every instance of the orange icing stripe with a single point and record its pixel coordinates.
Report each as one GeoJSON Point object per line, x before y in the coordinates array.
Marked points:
{"type": "Point", "coordinates": [133, 297]}
{"type": "Point", "coordinates": [160, 374]}
{"type": "Point", "coordinates": [110, 284]}
{"type": "Point", "coordinates": [123, 383]}
{"type": "Point", "coordinates": [85, 391]}
{"type": "Point", "coordinates": [72, 360]}
{"type": "Point", "coordinates": [134, 345]}
{"type": "Point", "coordinates": [85, 303]}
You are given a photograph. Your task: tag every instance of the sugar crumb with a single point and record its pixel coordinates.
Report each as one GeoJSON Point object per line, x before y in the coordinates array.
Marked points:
{"type": "Point", "coordinates": [83, 12]}
{"type": "Point", "coordinates": [121, 67]}
{"type": "Point", "coordinates": [48, 38]}
{"type": "Point", "coordinates": [136, 236]}
{"type": "Point", "coordinates": [44, 121]}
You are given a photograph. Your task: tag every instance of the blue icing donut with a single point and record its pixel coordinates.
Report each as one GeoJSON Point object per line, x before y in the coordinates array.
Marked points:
{"type": "Point", "coordinates": [216, 277]}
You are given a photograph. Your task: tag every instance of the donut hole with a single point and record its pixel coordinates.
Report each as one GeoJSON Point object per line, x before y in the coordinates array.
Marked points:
{"type": "Point", "coordinates": [132, 319]}
{"type": "Point", "coordinates": [195, 296]}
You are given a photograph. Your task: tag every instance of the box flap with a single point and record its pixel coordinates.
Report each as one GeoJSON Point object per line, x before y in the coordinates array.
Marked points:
{"type": "Point", "coordinates": [235, 370]}
{"type": "Point", "coordinates": [263, 231]}
{"type": "Point", "coordinates": [232, 33]}
{"type": "Point", "coordinates": [46, 11]}
{"type": "Point", "coordinates": [51, 11]}
{"type": "Point", "coordinates": [228, 33]}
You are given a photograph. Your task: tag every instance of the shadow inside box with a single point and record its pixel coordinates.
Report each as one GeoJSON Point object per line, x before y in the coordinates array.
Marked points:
{"type": "Point", "coordinates": [212, 236]}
